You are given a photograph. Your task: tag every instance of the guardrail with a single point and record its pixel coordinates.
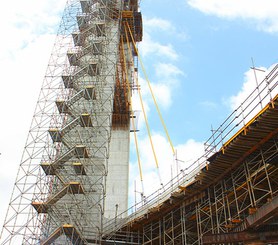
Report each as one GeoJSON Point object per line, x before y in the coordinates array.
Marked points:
{"type": "Point", "coordinates": [184, 178]}
{"type": "Point", "coordinates": [241, 117]}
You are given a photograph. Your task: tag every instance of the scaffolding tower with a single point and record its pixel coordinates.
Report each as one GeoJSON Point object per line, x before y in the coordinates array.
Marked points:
{"type": "Point", "coordinates": [73, 176]}
{"type": "Point", "coordinates": [227, 196]}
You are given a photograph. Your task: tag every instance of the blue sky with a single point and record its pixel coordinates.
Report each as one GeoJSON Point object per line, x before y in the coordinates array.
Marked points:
{"type": "Point", "coordinates": [197, 54]}
{"type": "Point", "coordinates": [213, 54]}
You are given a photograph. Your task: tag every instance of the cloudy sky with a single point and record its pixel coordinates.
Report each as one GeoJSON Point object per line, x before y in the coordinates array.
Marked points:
{"type": "Point", "coordinates": [197, 54]}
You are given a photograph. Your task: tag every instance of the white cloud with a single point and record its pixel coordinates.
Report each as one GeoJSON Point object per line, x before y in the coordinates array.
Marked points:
{"type": "Point", "coordinates": [167, 70]}
{"type": "Point", "coordinates": [167, 80]}
{"type": "Point", "coordinates": [149, 47]}
{"type": "Point", "coordinates": [189, 152]}
{"type": "Point", "coordinates": [169, 165]}
{"type": "Point", "coordinates": [24, 20]}
{"type": "Point", "coordinates": [263, 13]}
{"type": "Point", "coordinates": [166, 74]}
{"type": "Point", "coordinates": [259, 87]}
{"type": "Point", "coordinates": [25, 48]}
{"type": "Point", "coordinates": [248, 86]}
{"type": "Point", "coordinates": [163, 94]}
{"type": "Point", "coordinates": [158, 24]}
{"type": "Point", "coordinates": [22, 78]}
{"type": "Point", "coordinates": [209, 104]}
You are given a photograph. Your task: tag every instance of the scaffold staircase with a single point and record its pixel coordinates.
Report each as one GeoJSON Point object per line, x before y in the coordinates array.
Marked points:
{"type": "Point", "coordinates": [69, 188]}
{"type": "Point", "coordinates": [60, 191]}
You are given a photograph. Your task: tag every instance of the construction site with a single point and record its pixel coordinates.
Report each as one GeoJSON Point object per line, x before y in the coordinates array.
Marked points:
{"type": "Point", "coordinates": [73, 179]}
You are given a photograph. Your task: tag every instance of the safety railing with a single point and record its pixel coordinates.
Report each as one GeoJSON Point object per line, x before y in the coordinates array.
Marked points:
{"type": "Point", "coordinates": [245, 113]}
{"type": "Point", "coordinates": [241, 117]}
{"type": "Point", "coordinates": [184, 178]}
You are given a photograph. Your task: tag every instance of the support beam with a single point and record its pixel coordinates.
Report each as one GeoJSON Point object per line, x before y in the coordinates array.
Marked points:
{"type": "Point", "coordinates": [264, 213]}
{"type": "Point", "coordinates": [246, 237]}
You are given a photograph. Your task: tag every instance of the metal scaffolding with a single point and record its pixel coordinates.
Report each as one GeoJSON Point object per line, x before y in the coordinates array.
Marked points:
{"type": "Point", "coordinates": [239, 209]}
{"type": "Point", "coordinates": [61, 187]}
{"type": "Point", "coordinates": [78, 143]}
{"type": "Point", "coordinates": [228, 196]}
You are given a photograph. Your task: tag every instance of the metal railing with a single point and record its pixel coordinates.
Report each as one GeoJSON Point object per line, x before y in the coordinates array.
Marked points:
{"type": "Point", "coordinates": [241, 117]}
{"type": "Point", "coordinates": [184, 178]}
{"type": "Point", "coordinates": [244, 114]}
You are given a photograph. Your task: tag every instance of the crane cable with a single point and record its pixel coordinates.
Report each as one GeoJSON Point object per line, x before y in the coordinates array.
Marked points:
{"type": "Point", "coordinates": [149, 84]}
{"type": "Point", "coordinates": [142, 106]}
{"type": "Point", "coordinates": [132, 117]}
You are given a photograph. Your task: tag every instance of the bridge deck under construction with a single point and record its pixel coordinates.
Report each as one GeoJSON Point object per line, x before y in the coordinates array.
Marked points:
{"type": "Point", "coordinates": [232, 199]}
{"type": "Point", "coordinates": [72, 183]}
